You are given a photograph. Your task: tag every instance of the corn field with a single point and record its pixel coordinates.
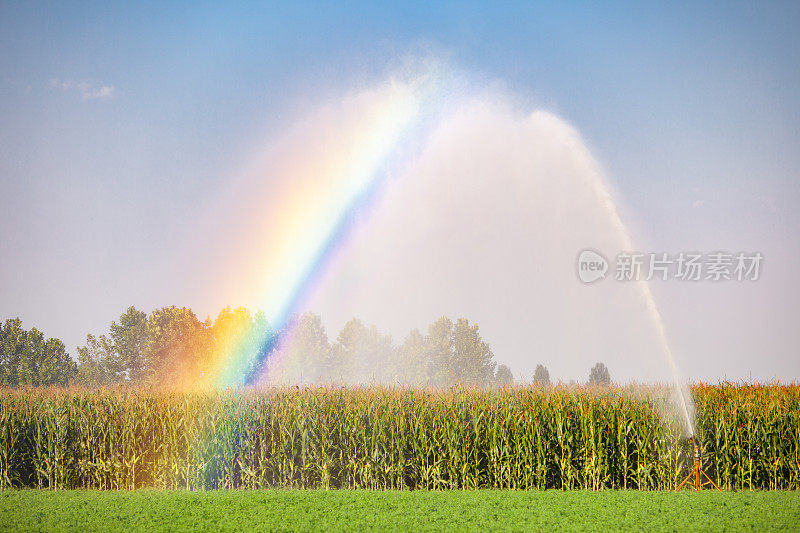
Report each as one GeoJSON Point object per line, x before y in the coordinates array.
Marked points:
{"type": "Point", "coordinates": [392, 438]}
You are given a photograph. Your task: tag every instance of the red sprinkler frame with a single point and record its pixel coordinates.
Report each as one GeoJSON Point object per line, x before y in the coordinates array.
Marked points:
{"type": "Point", "coordinates": [697, 471]}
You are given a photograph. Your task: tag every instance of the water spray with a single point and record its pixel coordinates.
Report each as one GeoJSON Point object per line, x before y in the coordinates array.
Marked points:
{"type": "Point", "coordinates": [644, 290]}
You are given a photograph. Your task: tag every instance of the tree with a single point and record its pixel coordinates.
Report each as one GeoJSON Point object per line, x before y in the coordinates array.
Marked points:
{"type": "Point", "coordinates": [440, 352]}
{"type": "Point", "coordinates": [412, 359]}
{"type": "Point", "coordinates": [119, 357]}
{"type": "Point", "coordinates": [223, 346]}
{"type": "Point", "coordinates": [307, 357]}
{"type": "Point", "coordinates": [57, 367]}
{"type": "Point", "coordinates": [361, 354]}
{"type": "Point", "coordinates": [503, 376]}
{"type": "Point", "coordinates": [12, 350]}
{"type": "Point", "coordinates": [541, 376]}
{"type": "Point", "coordinates": [599, 375]}
{"type": "Point", "coordinates": [458, 355]}
{"type": "Point", "coordinates": [96, 362]}
{"type": "Point", "coordinates": [26, 358]}
{"type": "Point", "coordinates": [177, 347]}
{"type": "Point", "coordinates": [129, 338]}
{"type": "Point", "coordinates": [474, 361]}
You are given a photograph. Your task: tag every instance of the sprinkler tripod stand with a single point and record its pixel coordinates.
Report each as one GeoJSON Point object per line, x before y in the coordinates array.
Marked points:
{"type": "Point", "coordinates": [697, 471]}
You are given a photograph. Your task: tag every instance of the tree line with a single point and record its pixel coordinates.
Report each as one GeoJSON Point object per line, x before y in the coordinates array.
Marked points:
{"type": "Point", "coordinates": [450, 352]}
{"type": "Point", "coordinates": [173, 346]}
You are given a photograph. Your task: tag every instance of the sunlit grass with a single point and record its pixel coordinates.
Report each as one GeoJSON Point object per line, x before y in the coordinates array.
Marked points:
{"type": "Point", "coordinates": [310, 510]}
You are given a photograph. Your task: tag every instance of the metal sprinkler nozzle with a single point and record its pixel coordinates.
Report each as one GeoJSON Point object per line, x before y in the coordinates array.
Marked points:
{"type": "Point", "coordinates": [697, 471]}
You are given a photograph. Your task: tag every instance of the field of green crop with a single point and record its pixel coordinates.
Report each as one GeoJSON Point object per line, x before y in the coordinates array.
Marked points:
{"type": "Point", "coordinates": [266, 510]}
{"type": "Point", "coordinates": [385, 438]}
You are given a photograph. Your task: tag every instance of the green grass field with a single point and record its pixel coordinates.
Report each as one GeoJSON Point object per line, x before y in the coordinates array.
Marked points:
{"type": "Point", "coordinates": [34, 510]}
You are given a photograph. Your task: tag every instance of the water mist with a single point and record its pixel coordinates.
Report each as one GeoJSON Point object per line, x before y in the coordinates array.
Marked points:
{"type": "Point", "coordinates": [481, 219]}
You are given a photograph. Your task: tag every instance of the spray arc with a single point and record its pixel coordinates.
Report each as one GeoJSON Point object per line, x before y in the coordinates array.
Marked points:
{"type": "Point", "coordinates": [304, 230]}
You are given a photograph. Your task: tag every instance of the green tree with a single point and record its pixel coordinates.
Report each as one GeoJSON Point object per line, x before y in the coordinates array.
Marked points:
{"type": "Point", "coordinates": [541, 376]}
{"type": "Point", "coordinates": [97, 362]}
{"type": "Point", "coordinates": [26, 358]}
{"type": "Point", "coordinates": [57, 367]}
{"type": "Point", "coordinates": [32, 355]}
{"type": "Point", "coordinates": [118, 357]}
{"type": "Point", "coordinates": [177, 347]}
{"type": "Point", "coordinates": [12, 350]}
{"type": "Point", "coordinates": [129, 338]}
{"type": "Point", "coordinates": [599, 375]}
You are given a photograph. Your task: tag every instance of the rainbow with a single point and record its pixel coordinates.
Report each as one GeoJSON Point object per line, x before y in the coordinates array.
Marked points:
{"type": "Point", "coordinates": [321, 197]}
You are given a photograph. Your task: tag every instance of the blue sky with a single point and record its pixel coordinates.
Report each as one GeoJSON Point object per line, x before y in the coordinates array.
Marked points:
{"type": "Point", "coordinates": [119, 121]}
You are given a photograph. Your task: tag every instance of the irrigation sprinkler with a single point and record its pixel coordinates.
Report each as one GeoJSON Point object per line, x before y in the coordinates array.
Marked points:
{"type": "Point", "coordinates": [697, 471]}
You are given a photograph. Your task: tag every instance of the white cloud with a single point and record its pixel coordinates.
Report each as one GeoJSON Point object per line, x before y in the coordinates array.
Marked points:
{"type": "Point", "coordinates": [88, 91]}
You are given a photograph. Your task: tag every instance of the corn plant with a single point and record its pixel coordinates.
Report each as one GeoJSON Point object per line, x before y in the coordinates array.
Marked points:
{"type": "Point", "coordinates": [395, 438]}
